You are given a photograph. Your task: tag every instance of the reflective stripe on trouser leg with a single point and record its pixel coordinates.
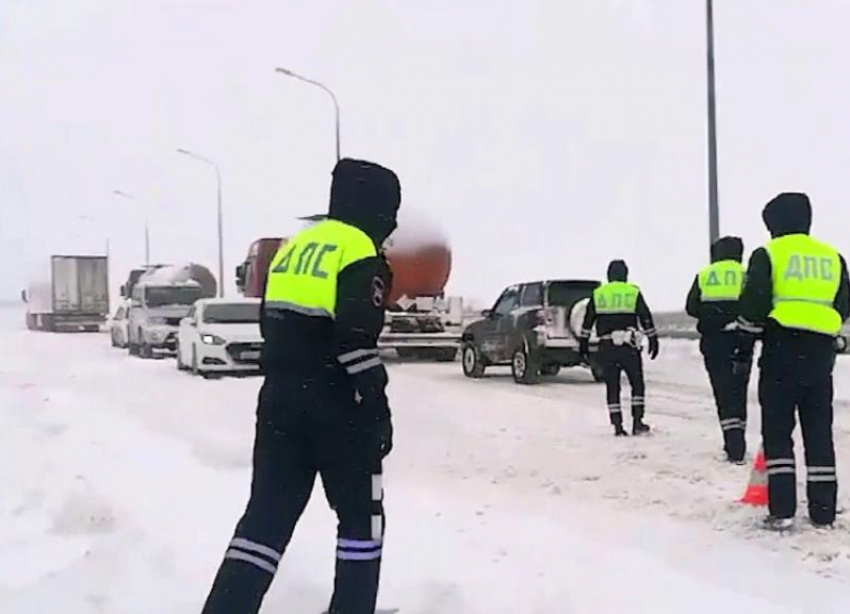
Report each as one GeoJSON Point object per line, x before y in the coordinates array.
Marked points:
{"type": "Point", "coordinates": [638, 406]}
{"type": "Point", "coordinates": [615, 412]}
{"type": "Point", "coordinates": [358, 562]}
{"type": "Point", "coordinates": [253, 553]}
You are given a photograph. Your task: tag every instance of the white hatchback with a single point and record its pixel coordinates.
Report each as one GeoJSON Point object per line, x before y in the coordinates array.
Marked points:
{"type": "Point", "coordinates": [220, 335]}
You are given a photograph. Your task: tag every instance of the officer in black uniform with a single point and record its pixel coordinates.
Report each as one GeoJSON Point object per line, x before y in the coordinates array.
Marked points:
{"type": "Point", "coordinates": [713, 300]}
{"type": "Point", "coordinates": [322, 408]}
{"type": "Point", "coordinates": [616, 308]}
{"type": "Point", "coordinates": [797, 293]}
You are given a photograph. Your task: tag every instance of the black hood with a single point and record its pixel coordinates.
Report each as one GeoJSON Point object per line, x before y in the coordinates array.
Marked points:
{"type": "Point", "coordinates": [789, 213]}
{"type": "Point", "coordinates": [365, 195]}
{"type": "Point", "coordinates": [727, 248]}
{"type": "Point", "coordinates": [618, 270]}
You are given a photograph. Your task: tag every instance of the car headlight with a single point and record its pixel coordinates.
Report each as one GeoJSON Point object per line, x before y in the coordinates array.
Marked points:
{"type": "Point", "coordinates": [212, 339]}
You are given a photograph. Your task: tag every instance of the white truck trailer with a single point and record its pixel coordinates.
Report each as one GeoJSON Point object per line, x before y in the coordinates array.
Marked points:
{"type": "Point", "coordinates": [72, 295]}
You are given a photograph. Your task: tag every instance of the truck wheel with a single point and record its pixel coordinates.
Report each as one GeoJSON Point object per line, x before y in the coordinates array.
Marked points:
{"type": "Point", "coordinates": [550, 370]}
{"type": "Point", "coordinates": [407, 353]}
{"type": "Point", "coordinates": [524, 367]}
{"type": "Point", "coordinates": [445, 354]}
{"type": "Point", "coordinates": [598, 372]}
{"type": "Point", "coordinates": [473, 366]}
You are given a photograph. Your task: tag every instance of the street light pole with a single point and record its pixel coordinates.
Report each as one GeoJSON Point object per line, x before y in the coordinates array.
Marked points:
{"type": "Point", "coordinates": [324, 88]}
{"type": "Point", "coordinates": [713, 208]}
{"type": "Point", "coordinates": [219, 216]}
{"type": "Point", "coordinates": [147, 230]}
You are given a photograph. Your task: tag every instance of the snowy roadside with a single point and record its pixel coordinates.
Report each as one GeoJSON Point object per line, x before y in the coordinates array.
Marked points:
{"type": "Point", "coordinates": [122, 480]}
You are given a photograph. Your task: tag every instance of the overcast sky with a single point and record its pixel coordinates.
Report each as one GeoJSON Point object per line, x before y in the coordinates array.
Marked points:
{"type": "Point", "coordinates": [549, 137]}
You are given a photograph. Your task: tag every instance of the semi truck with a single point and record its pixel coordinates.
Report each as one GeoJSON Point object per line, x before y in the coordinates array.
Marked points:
{"type": "Point", "coordinates": [71, 296]}
{"type": "Point", "coordinates": [421, 321]}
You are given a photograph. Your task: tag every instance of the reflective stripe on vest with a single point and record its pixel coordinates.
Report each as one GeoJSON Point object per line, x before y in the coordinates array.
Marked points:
{"type": "Point", "coordinates": [616, 297]}
{"type": "Point", "coordinates": [721, 281]}
{"type": "Point", "coordinates": [806, 277]}
{"type": "Point", "coordinates": [303, 274]}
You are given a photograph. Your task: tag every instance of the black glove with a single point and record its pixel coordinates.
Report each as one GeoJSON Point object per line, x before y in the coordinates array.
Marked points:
{"type": "Point", "coordinates": [653, 347]}
{"type": "Point", "coordinates": [384, 436]}
{"type": "Point", "coordinates": [584, 348]}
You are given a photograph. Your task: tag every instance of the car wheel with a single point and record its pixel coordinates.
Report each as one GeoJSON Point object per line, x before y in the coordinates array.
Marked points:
{"type": "Point", "coordinates": [550, 370]}
{"type": "Point", "coordinates": [523, 367]}
{"type": "Point", "coordinates": [180, 365]}
{"type": "Point", "coordinates": [196, 370]}
{"type": "Point", "coordinates": [472, 364]}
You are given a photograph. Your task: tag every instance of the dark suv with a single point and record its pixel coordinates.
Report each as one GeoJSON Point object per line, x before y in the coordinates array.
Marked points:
{"type": "Point", "coordinates": [534, 328]}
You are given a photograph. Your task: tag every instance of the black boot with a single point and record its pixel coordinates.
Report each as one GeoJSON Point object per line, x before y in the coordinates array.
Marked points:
{"type": "Point", "coordinates": [619, 431]}
{"type": "Point", "coordinates": [639, 427]}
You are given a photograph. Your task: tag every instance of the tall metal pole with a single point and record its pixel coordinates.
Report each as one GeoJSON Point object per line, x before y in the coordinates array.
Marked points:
{"type": "Point", "coordinates": [147, 228]}
{"type": "Point", "coordinates": [219, 215]}
{"type": "Point", "coordinates": [326, 89]}
{"type": "Point", "coordinates": [713, 208]}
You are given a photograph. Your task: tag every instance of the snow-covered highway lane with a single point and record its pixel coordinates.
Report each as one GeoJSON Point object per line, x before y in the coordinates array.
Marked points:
{"type": "Point", "coordinates": [121, 481]}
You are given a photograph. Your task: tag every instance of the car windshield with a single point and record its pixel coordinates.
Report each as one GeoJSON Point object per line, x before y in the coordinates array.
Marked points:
{"type": "Point", "coordinates": [568, 293]}
{"type": "Point", "coordinates": [172, 295]}
{"type": "Point", "coordinates": [232, 313]}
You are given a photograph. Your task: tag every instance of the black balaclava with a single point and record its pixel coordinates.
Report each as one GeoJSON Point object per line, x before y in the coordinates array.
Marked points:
{"type": "Point", "coordinates": [365, 195]}
{"type": "Point", "coordinates": [618, 270]}
{"type": "Point", "coordinates": [787, 214]}
{"type": "Point", "coordinates": [727, 248]}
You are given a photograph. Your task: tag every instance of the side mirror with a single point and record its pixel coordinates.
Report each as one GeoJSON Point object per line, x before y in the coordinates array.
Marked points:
{"type": "Point", "coordinates": [487, 313]}
{"type": "Point", "coordinates": [187, 322]}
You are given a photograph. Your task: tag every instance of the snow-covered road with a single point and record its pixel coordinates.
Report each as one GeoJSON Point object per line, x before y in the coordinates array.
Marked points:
{"type": "Point", "coordinates": [121, 480]}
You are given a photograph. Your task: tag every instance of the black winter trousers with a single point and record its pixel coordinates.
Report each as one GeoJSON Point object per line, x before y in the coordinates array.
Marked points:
{"type": "Point", "coordinates": [616, 359]}
{"type": "Point", "coordinates": [796, 380]}
{"type": "Point", "coordinates": [729, 381]}
{"type": "Point", "coordinates": [307, 427]}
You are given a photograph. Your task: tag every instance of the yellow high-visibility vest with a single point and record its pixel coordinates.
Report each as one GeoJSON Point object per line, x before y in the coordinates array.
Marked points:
{"type": "Point", "coordinates": [721, 281]}
{"type": "Point", "coordinates": [303, 274]}
{"type": "Point", "coordinates": [616, 297]}
{"type": "Point", "coordinates": [806, 277]}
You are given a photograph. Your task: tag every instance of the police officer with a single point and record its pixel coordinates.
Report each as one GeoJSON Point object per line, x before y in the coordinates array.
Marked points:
{"type": "Point", "coordinates": [797, 291]}
{"type": "Point", "coordinates": [322, 408]}
{"type": "Point", "coordinates": [727, 353]}
{"type": "Point", "coordinates": [616, 308]}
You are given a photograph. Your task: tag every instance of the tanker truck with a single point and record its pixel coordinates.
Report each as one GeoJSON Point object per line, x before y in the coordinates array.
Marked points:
{"type": "Point", "coordinates": [421, 322]}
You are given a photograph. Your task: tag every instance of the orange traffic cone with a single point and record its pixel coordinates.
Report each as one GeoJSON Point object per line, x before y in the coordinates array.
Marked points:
{"type": "Point", "coordinates": [756, 493]}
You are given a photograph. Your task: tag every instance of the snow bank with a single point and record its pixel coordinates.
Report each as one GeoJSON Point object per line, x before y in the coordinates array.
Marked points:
{"type": "Point", "coordinates": [122, 481]}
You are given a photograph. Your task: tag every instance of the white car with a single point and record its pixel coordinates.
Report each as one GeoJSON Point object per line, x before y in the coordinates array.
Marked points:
{"type": "Point", "coordinates": [220, 335]}
{"type": "Point", "coordinates": [118, 329]}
